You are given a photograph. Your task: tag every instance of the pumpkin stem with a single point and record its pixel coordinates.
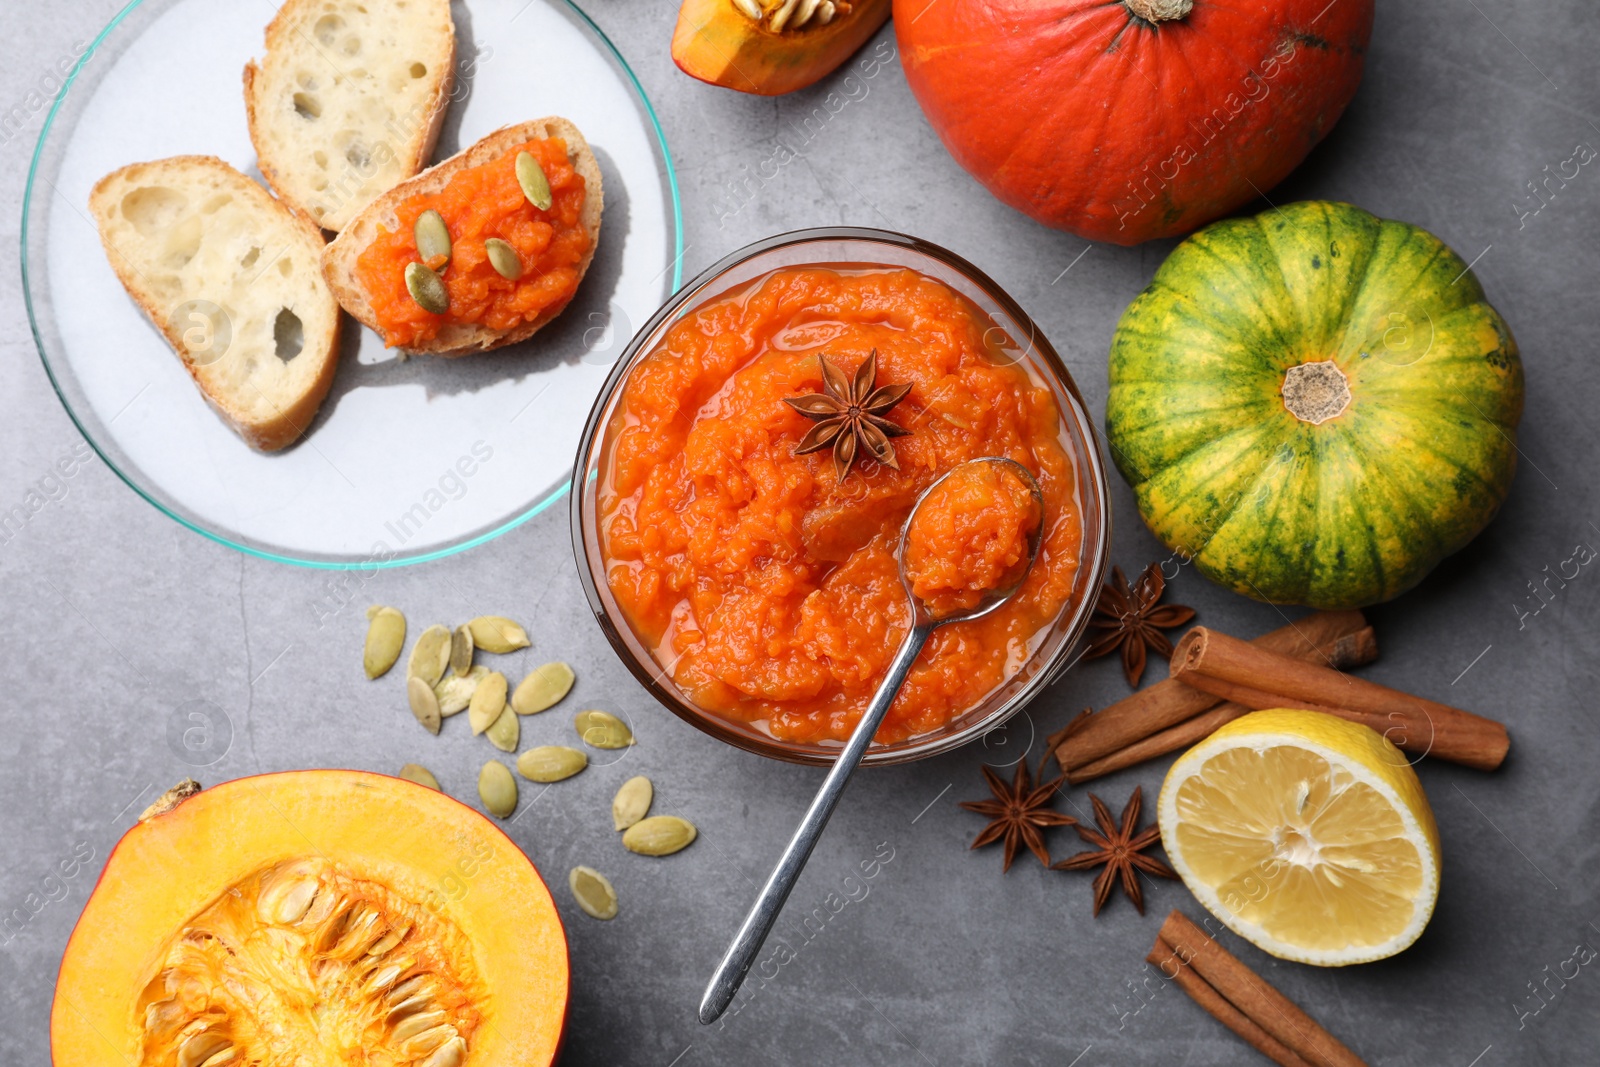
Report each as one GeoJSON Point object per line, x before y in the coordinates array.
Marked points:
{"type": "Point", "coordinates": [1316, 392]}
{"type": "Point", "coordinates": [1159, 10]}
{"type": "Point", "coordinates": [170, 799]}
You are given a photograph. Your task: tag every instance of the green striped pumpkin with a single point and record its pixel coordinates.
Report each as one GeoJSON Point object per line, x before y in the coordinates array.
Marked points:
{"type": "Point", "coordinates": [1316, 405]}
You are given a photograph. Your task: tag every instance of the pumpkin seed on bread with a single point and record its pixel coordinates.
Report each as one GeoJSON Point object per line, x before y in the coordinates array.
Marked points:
{"type": "Point", "coordinates": [535, 187]}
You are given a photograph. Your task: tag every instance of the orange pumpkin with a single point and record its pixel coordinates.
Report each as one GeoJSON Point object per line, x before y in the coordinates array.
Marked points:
{"type": "Point", "coordinates": [1126, 121]}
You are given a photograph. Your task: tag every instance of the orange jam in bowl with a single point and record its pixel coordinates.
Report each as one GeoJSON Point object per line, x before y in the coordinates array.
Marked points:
{"type": "Point", "coordinates": [969, 537]}
{"type": "Point", "coordinates": [765, 586]}
{"type": "Point", "coordinates": [478, 203]}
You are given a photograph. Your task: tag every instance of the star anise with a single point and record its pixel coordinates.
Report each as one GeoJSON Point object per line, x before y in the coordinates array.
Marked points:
{"type": "Point", "coordinates": [1019, 811]}
{"type": "Point", "coordinates": [1132, 619]}
{"type": "Point", "coordinates": [849, 415]}
{"type": "Point", "coordinates": [1120, 849]}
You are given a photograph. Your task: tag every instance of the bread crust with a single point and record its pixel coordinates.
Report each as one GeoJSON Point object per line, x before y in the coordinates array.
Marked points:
{"type": "Point", "coordinates": [288, 423]}
{"type": "Point", "coordinates": [339, 258]}
{"type": "Point", "coordinates": [278, 39]}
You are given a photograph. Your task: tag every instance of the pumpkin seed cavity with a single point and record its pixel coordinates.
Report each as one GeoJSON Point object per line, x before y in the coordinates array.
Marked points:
{"type": "Point", "coordinates": [603, 729]}
{"type": "Point", "coordinates": [543, 689]}
{"type": "Point", "coordinates": [386, 636]}
{"type": "Point", "coordinates": [427, 289]}
{"type": "Point", "coordinates": [659, 835]}
{"type": "Point", "coordinates": [781, 15]}
{"type": "Point", "coordinates": [497, 634]}
{"type": "Point", "coordinates": [632, 802]}
{"type": "Point", "coordinates": [416, 772]}
{"type": "Point", "coordinates": [551, 763]}
{"type": "Point", "coordinates": [503, 258]}
{"type": "Point", "coordinates": [376, 963]}
{"type": "Point", "coordinates": [535, 186]}
{"type": "Point", "coordinates": [424, 704]}
{"type": "Point", "coordinates": [593, 892]}
{"type": "Point", "coordinates": [497, 789]}
{"type": "Point", "coordinates": [488, 701]}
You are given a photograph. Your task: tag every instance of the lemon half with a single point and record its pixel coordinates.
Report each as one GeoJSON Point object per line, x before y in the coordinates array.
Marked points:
{"type": "Point", "coordinates": [1307, 835]}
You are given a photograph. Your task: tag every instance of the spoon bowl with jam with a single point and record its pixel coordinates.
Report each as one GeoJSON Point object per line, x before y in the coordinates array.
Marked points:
{"type": "Point", "coordinates": [965, 549]}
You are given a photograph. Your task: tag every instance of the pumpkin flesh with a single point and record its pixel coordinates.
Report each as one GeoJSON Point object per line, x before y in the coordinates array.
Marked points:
{"type": "Point", "coordinates": [318, 918]}
{"type": "Point", "coordinates": [1089, 118]}
{"type": "Point", "coordinates": [1358, 507]}
{"type": "Point", "coordinates": [717, 43]}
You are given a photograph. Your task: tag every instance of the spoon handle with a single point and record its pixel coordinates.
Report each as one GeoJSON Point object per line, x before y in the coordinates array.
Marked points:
{"type": "Point", "coordinates": [747, 943]}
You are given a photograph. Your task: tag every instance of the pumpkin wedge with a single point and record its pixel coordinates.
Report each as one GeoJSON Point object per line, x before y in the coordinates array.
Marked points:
{"type": "Point", "coordinates": [316, 918]}
{"type": "Point", "coordinates": [770, 47]}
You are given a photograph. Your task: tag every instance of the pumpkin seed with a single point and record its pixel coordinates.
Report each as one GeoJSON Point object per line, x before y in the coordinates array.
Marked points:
{"type": "Point", "coordinates": [593, 892]}
{"type": "Point", "coordinates": [503, 258]}
{"type": "Point", "coordinates": [659, 835]}
{"type": "Point", "coordinates": [505, 731]}
{"type": "Point", "coordinates": [535, 186]}
{"type": "Point", "coordinates": [416, 772]}
{"type": "Point", "coordinates": [632, 802]}
{"type": "Point", "coordinates": [456, 693]}
{"type": "Point", "coordinates": [551, 763]}
{"type": "Point", "coordinates": [497, 634]}
{"type": "Point", "coordinates": [497, 789]}
{"type": "Point", "coordinates": [430, 655]}
{"type": "Point", "coordinates": [461, 649]}
{"type": "Point", "coordinates": [386, 636]}
{"type": "Point", "coordinates": [543, 688]}
{"type": "Point", "coordinates": [433, 237]}
{"type": "Point", "coordinates": [603, 729]}
{"type": "Point", "coordinates": [424, 705]}
{"type": "Point", "coordinates": [427, 289]}
{"type": "Point", "coordinates": [488, 701]}
{"type": "Point", "coordinates": [751, 9]}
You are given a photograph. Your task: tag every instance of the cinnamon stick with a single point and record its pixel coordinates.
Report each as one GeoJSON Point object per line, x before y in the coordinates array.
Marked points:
{"type": "Point", "coordinates": [1260, 678]}
{"type": "Point", "coordinates": [1186, 733]}
{"type": "Point", "coordinates": [1342, 638]}
{"type": "Point", "coordinates": [1247, 991]}
{"type": "Point", "coordinates": [1218, 1007]}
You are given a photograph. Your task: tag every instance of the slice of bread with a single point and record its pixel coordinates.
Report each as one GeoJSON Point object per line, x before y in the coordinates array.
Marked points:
{"type": "Point", "coordinates": [339, 260]}
{"type": "Point", "coordinates": [348, 99]}
{"type": "Point", "coordinates": [232, 278]}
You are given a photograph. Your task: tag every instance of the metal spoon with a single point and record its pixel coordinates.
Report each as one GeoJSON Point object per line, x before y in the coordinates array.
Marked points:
{"type": "Point", "coordinates": [748, 941]}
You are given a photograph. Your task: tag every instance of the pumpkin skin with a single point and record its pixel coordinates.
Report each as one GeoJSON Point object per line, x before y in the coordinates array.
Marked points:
{"type": "Point", "coordinates": [716, 43]}
{"type": "Point", "coordinates": [1343, 513]}
{"type": "Point", "coordinates": [1091, 119]}
{"type": "Point", "coordinates": [438, 865]}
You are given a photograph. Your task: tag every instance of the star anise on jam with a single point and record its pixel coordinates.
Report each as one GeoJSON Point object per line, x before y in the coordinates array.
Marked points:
{"type": "Point", "coordinates": [1120, 849]}
{"type": "Point", "coordinates": [1132, 618]}
{"type": "Point", "coordinates": [849, 416]}
{"type": "Point", "coordinates": [1019, 812]}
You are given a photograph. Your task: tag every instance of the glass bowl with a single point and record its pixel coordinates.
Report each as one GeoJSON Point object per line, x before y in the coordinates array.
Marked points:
{"type": "Point", "coordinates": [1013, 333]}
{"type": "Point", "coordinates": [405, 461]}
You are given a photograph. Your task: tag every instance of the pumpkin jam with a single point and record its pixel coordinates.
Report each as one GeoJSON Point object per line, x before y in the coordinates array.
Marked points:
{"type": "Point", "coordinates": [766, 586]}
{"type": "Point", "coordinates": [479, 203]}
{"type": "Point", "coordinates": [970, 537]}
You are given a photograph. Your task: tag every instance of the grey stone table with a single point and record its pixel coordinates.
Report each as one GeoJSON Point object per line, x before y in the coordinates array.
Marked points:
{"type": "Point", "coordinates": [115, 619]}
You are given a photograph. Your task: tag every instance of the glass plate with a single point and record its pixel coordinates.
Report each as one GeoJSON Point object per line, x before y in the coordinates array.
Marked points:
{"type": "Point", "coordinates": [407, 460]}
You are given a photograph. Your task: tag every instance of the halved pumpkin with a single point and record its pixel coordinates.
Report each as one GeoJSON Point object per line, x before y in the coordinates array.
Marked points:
{"type": "Point", "coordinates": [313, 917]}
{"type": "Point", "coordinates": [771, 47]}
